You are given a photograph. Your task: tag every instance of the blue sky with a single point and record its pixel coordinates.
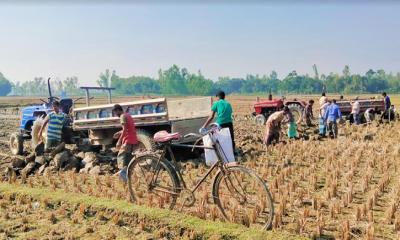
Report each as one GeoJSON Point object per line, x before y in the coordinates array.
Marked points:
{"type": "Point", "coordinates": [222, 39]}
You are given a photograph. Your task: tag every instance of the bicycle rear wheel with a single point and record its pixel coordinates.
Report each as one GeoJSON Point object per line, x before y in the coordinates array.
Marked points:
{"type": "Point", "coordinates": [243, 197]}
{"type": "Point", "coordinates": [160, 192]}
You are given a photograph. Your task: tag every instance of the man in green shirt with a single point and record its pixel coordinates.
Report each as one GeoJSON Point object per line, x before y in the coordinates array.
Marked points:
{"type": "Point", "coordinates": [224, 115]}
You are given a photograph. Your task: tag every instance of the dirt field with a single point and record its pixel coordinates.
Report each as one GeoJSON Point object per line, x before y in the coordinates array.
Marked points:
{"type": "Point", "coordinates": [348, 188]}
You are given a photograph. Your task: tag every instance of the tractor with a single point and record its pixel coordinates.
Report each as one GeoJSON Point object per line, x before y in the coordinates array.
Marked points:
{"type": "Point", "coordinates": [263, 109]}
{"type": "Point", "coordinates": [29, 114]}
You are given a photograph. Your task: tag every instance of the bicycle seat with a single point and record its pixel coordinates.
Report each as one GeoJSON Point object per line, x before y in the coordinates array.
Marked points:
{"type": "Point", "coordinates": [164, 136]}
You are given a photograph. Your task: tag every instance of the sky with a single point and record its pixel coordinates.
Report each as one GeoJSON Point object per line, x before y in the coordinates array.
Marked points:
{"type": "Point", "coordinates": [82, 39]}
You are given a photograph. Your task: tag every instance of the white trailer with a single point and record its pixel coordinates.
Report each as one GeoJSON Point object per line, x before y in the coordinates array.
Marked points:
{"type": "Point", "coordinates": [183, 115]}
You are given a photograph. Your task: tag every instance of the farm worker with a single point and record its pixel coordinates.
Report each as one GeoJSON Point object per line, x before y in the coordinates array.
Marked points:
{"type": "Point", "coordinates": [127, 140]}
{"type": "Point", "coordinates": [323, 99]}
{"type": "Point", "coordinates": [355, 111]}
{"type": "Point", "coordinates": [308, 113]}
{"type": "Point", "coordinates": [332, 114]}
{"type": "Point", "coordinates": [273, 126]}
{"type": "Point", "coordinates": [292, 128]}
{"type": "Point", "coordinates": [322, 123]}
{"type": "Point", "coordinates": [388, 104]}
{"type": "Point", "coordinates": [369, 114]}
{"type": "Point", "coordinates": [224, 115]}
{"type": "Point", "coordinates": [55, 121]}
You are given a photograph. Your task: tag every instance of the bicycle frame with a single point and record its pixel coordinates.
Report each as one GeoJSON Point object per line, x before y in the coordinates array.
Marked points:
{"type": "Point", "coordinates": [215, 146]}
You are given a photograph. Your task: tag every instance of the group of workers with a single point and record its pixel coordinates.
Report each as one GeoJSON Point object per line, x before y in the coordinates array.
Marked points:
{"type": "Point", "coordinates": [329, 114]}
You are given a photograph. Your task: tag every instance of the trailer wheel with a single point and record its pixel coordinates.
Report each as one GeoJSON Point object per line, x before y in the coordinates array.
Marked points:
{"type": "Point", "coordinates": [16, 144]}
{"type": "Point", "coordinates": [260, 119]}
{"type": "Point", "coordinates": [145, 139]}
{"type": "Point", "coordinates": [297, 111]}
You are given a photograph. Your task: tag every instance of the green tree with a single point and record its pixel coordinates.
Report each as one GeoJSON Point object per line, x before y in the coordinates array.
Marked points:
{"type": "Point", "coordinates": [198, 84]}
{"type": "Point", "coordinates": [173, 81]}
{"type": "Point", "coordinates": [5, 85]}
{"type": "Point", "coordinates": [105, 79]}
{"type": "Point", "coordinates": [135, 85]}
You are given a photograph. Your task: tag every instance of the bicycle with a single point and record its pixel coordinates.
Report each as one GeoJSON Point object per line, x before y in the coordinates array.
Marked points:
{"type": "Point", "coordinates": [234, 188]}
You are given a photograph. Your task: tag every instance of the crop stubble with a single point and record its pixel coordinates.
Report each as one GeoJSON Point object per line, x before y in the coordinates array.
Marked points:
{"type": "Point", "coordinates": [346, 188]}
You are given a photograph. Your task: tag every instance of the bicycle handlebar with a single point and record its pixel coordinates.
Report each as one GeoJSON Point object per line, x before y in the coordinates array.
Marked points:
{"type": "Point", "coordinates": [192, 135]}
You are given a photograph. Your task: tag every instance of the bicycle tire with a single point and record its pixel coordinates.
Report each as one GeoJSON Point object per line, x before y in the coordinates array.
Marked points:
{"type": "Point", "coordinates": [235, 179]}
{"type": "Point", "coordinates": [167, 184]}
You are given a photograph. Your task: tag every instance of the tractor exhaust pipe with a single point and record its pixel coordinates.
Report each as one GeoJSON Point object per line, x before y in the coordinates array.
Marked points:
{"type": "Point", "coordinates": [270, 95]}
{"type": "Point", "coordinates": [49, 87]}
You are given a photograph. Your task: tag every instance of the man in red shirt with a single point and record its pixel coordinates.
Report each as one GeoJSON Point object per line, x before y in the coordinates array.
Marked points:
{"type": "Point", "coordinates": [127, 139]}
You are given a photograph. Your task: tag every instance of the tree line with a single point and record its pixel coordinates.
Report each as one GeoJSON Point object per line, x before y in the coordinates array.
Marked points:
{"type": "Point", "coordinates": [179, 81]}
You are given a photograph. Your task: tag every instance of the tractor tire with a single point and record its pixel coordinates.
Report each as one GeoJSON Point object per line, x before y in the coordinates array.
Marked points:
{"type": "Point", "coordinates": [17, 144]}
{"type": "Point", "coordinates": [297, 111]}
{"type": "Point", "coordinates": [146, 142]}
{"type": "Point", "coordinates": [260, 119]}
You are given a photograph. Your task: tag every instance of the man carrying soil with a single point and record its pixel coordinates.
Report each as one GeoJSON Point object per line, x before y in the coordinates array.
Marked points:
{"type": "Point", "coordinates": [369, 114]}
{"type": "Point", "coordinates": [55, 121]}
{"type": "Point", "coordinates": [126, 140]}
{"type": "Point", "coordinates": [224, 115]}
{"type": "Point", "coordinates": [332, 114]}
{"type": "Point", "coordinates": [273, 126]}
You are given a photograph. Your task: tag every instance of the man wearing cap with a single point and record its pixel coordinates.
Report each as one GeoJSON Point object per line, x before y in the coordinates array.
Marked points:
{"type": "Point", "coordinates": [355, 111]}
{"type": "Point", "coordinates": [224, 115]}
{"type": "Point", "coordinates": [127, 140]}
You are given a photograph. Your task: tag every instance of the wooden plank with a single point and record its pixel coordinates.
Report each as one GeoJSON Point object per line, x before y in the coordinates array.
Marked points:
{"type": "Point", "coordinates": [140, 116]}
{"type": "Point", "coordinates": [117, 125]}
{"type": "Point", "coordinates": [123, 104]}
{"type": "Point", "coordinates": [189, 108]}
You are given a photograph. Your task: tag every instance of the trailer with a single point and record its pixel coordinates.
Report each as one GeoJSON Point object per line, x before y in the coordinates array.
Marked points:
{"type": "Point", "coordinates": [184, 115]}
{"type": "Point", "coordinates": [345, 107]}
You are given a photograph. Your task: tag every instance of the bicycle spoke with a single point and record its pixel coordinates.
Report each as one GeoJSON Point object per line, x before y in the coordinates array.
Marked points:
{"type": "Point", "coordinates": [243, 198]}
{"type": "Point", "coordinates": [154, 184]}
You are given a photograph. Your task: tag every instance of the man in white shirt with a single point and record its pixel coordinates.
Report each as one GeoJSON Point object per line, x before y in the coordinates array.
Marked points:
{"type": "Point", "coordinates": [322, 123]}
{"type": "Point", "coordinates": [370, 114]}
{"type": "Point", "coordinates": [322, 99]}
{"type": "Point", "coordinates": [355, 111]}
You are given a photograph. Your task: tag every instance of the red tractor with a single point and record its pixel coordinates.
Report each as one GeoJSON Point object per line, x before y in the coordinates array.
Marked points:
{"type": "Point", "coordinates": [264, 109]}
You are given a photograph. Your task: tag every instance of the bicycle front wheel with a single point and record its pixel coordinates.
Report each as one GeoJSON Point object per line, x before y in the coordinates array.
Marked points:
{"type": "Point", "coordinates": [153, 181]}
{"type": "Point", "coordinates": [243, 197]}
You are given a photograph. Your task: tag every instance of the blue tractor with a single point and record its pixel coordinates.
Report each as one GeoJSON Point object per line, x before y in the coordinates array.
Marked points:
{"type": "Point", "coordinates": [29, 114]}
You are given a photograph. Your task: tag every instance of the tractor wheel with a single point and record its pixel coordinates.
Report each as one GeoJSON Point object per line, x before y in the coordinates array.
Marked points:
{"type": "Point", "coordinates": [145, 139]}
{"type": "Point", "coordinates": [16, 144]}
{"type": "Point", "coordinates": [260, 119]}
{"type": "Point", "coordinates": [297, 111]}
